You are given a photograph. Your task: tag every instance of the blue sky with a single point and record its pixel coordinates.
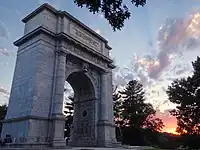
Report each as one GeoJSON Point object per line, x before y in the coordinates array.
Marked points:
{"type": "Point", "coordinates": [138, 39]}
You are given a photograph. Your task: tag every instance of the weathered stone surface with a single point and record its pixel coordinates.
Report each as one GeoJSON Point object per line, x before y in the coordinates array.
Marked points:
{"type": "Point", "coordinates": [56, 48]}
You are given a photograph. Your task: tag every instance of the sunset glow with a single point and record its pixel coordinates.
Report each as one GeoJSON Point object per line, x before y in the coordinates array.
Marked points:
{"type": "Point", "coordinates": [170, 130]}
{"type": "Point", "coordinates": [168, 120]}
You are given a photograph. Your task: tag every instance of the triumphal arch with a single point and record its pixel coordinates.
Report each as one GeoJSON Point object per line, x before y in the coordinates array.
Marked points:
{"type": "Point", "coordinates": [56, 47]}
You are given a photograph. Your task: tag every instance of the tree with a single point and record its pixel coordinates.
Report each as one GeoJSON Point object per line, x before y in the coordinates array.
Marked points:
{"type": "Point", "coordinates": [154, 124]}
{"type": "Point", "coordinates": [117, 108]}
{"type": "Point", "coordinates": [114, 11]}
{"type": "Point", "coordinates": [137, 118]}
{"type": "Point", "coordinates": [117, 114]}
{"type": "Point", "coordinates": [3, 110]}
{"type": "Point", "coordinates": [69, 106]}
{"type": "Point", "coordinates": [68, 112]}
{"type": "Point", "coordinates": [135, 112]}
{"type": "Point", "coordinates": [185, 94]}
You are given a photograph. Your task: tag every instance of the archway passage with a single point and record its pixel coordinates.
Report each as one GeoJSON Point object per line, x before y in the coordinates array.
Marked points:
{"type": "Point", "coordinates": [82, 86]}
{"type": "Point", "coordinates": [82, 131]}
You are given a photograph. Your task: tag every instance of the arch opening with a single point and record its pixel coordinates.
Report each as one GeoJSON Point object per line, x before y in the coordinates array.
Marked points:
{"type": "Point", "coordinates": [82, 86]}
{"type": "Point", "coordinates": [78, 99]}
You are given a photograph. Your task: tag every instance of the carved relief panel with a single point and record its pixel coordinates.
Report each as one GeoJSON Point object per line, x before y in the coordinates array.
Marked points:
{"type": "Point", "coordinates": [81, 53]}
{"type": "Point", "coordinates": [86, 120]}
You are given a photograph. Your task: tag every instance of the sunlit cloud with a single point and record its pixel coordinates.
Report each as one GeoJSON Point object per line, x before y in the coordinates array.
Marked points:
{"type": "Point", "coordinates": [4, 91]}
{"type": "Point", "coordinates": [98, 31]}
{"type": "Point", "coordinates": [175, 37]}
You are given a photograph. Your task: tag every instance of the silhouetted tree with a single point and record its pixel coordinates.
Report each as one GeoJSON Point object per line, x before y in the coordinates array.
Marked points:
{"type": "Point", "coordinates": [115, 11]}
{"type": "Point", "coordinates": [135, 111]}
{"type": "Point", "coordinates": [3, 110]}
{"type": "Point", "coordinates": [154, 124]}
{"type": "Point", "coordinates": [137, 116]}
{"type": "Point", "coordinates": [117, 107]}
{"type": "Point", "coordinates": [117, 112]}
{"type": "Point", "coordinates": [185, 94]}
{"type": "Point", "coordinates": [69, 108]}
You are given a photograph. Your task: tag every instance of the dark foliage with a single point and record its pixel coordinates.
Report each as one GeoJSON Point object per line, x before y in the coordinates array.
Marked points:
{"type": "Point", "coordinates": [115, 11]}
{"type": "Point", "coordinates": [3, 110]}
{"type": "Point", "coordinates": [185, 93]}
{"type": "Point", "coordinates": [136, 113]}
{"type": "Point", "coordinates": [69, 115]}
{"type": "Point", "coordinates": [135, 119]}
{"type": "Point", "coordinates": [68, 122]}
{"type": "Point", "coordinates": [190, 141]}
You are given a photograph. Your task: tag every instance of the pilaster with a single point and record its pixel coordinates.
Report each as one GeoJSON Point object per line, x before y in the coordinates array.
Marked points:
{"type": "Point", "coordinates": [58, 120]}
{"type": "Point", "coordinates": [106, 128]}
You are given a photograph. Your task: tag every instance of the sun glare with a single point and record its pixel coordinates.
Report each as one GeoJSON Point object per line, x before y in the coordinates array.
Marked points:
{"type": "Point", "coordinates": [170, 130]}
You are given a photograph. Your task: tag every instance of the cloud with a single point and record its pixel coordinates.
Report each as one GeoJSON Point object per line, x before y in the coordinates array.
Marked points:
{"type": "Point", "coordinates": [101, 15]}
{"type": "Point", "coordinates": [171, 78]}
{"type": "Point", "coordinates": [174, 37]}
{"type": "Point", "coordinates": [132, 71]}
{"type": "Point", "coordinates": [68, 91]}
{"type": "Point", "coordinates": [163, 89]}
{"type": "Point", "coordinates": [98, 31]}
{"type": "Point", "coordinates": [3, 30]}
{"type": "Point", "coordinates": [4, 91]}
{"type": "Point", "coordinates": [181, 71]}
{"type": "Point", "coordinates": [6, 52]}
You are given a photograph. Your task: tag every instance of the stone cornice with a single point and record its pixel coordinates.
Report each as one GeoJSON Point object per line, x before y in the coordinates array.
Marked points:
{"type": "Point", "coordinates": [32, 34]}
{"type": "Point", "coordinates": [60, 36]}
{"type": "Point", "coordinates": [64, 14]}
{"type": "Point", "coordinates": [38, 10]}
{"type": "Point", "coordinates": [112, 66]}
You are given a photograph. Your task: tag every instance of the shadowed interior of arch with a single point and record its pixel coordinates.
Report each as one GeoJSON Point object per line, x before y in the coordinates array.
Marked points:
{"type": "Point", "coordinates": [83, 93]}
{"type": "Point", "coordinates": [82, 86]}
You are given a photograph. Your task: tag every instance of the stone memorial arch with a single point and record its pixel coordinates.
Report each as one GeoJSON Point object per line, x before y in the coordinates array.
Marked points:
{"type": "Point", "coordinates": [56, 47]}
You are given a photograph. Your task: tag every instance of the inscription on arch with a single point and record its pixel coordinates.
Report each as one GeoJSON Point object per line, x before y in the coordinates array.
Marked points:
{"type": "Point", "coordinates": [93, 59]}
{"type": "Point", "coordinates": [84, 37]}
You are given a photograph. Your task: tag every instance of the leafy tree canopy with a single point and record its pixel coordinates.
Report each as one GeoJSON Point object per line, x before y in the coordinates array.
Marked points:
{"type": "Point", "coordinates": [186, 94]}
{"type": "Point", "coordinates": [3, 110]}
{"type": "Point", "coordinates": [133, 110]}
{"type": "Point", "coordinates": [115, 11]}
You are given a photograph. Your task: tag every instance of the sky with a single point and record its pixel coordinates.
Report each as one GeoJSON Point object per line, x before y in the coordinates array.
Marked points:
{"type": "Point", "coordinates": [156, 45]}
